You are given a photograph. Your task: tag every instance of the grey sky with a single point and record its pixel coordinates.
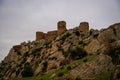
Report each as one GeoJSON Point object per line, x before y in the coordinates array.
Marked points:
{"type": "Point", "coordinates": [20, 19]}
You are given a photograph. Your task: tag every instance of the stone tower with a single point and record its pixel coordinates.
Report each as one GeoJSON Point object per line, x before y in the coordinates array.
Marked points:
{"type": "Point", "coordinates": [61, 26]}
{"type": "Point", "coordinates": [84, 27]}
{"type": "Point", "coordinates": [39, 35]}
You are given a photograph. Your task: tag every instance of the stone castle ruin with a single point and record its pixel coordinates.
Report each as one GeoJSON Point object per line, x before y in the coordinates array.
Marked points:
{"type": "Point", "coordinates": [84, 27]}
{"type": "Point", "coordinates": [61, 27]}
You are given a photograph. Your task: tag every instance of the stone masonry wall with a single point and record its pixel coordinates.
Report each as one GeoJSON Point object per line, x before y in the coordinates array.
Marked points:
{"type": "Point", "coordinates": [84, 27]}
{"type": "Point", "coordinates": [51, 35]}
{"type": "Point", "coordinates": [39, 36]}
{"type": "Point", "coordinates": [61, 26]}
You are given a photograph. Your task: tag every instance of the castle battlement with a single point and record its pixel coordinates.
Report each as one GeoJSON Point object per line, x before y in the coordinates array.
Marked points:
{"type": "Point", "coordinates": [51, 35]}
{"type": "Point", "coordinates": [61, 27]}
{"type": "Point", "coordinates": [39, 35]}
{"type": "Point", "coordinates": [84, 27]}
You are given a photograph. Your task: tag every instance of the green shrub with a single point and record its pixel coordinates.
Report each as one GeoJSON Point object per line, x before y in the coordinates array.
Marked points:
{"type": "Point", "coordinates": [65, 53]}
{"type": "Point", "coordinates": [78, 78]}
{"type": "Point", "coordinates": [27, 71]}
{"type": "Point", "coordinates": [104, 76]}
{"type": "Point", "coordinates": [115, 54]}
{"type": "Point", "coordinates": [64, 62]}
{"type": "Point", "coordinates": [24, 60]}
{"type": "Point", "coordinates": [85, 60]}
{"type": "Point", "coordinates": [60, 48]}
{"type": "Point", "coordinates": [112, 40]}
{"type": "Point", "coordinates": [118, 75]}
{"type": "Point", "coordinates": [19, 53]}
{"type": "Point", "coordinates": [45, 64]}
{"type": "Point", "coordinates": [77, 53]}
{"type": "Point", "coordinates": [60, 74]}
{"type": "Point", "coordinates": [77, 33]}
{"type": "Point", "coordinates": [68, 67]}
{"type": "Point", "coordinates": [65, 36]}
{"type": "Point", "coordinates": [36, 52]}
{"type": "Point", "coordinates": [17, 72]}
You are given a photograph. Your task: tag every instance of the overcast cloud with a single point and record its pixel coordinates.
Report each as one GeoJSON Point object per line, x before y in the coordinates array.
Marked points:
{"type": "Point", "coordinates": [20, 19]}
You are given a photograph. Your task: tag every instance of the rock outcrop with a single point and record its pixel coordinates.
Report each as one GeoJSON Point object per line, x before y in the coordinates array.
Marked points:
{"type": "Point", "coordinates": [89, 71]}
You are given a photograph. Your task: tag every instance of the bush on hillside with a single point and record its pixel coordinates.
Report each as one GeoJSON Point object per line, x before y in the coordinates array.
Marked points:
{"type": "Point", "coordinates": [115, 54]}
{"type": "Point", "coordinates": [45, 64]}
{"type": "Point", "coordinates": [77, 53]}
{"type": "Point", "coordinates": [27, 71]}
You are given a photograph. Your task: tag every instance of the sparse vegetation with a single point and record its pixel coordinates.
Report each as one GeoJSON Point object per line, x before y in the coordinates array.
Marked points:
{"type": "Point", "coordinates": [104, 76]}
{"type": "Point", "coordinates": [60, 48]}
{"type": "Point", "coordinates": [77, 53]}
{"type": "Point", "coordinates": [24, 60]}
{"type": "Point", "coordinates": [77, 33]}
{"type": "Point", "coordinates": [78, 78]}
{"type": "Point", "coordinates": [19, 53]}
{"type": "Point", "coordinates": [112, 40]}
{"type": "Point", "coordinates": [45, 64]}
{"type": "Point", "coordinates": [65, 36]}
{"type": "Point", "coordinates": [17, 72]}
{"type": "Point", "coordinates": [36, 52]}
{"type": "Point", "coordinates": [27, 71]}
{"type": "Point", "coordinates": [69, 67]}
{"type": "Point", "coordinates": [85, 60]}
{"type": "Point", "coordinates": [60, 74]}
{"type": "Point", "coordinates": [61, 71]}
{"type": "Point", "coordinates": [115, 54]}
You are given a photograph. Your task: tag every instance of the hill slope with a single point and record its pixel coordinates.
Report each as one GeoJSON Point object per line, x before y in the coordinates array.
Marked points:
{"type": "Point", "coordinates": [73, 55]}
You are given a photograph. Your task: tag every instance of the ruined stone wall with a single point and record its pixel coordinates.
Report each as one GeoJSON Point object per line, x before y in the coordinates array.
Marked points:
{"type": "Point", "coordinates": [84, 27]}
{"type": "Point", "coordinates": [50, 35]}
{"type": "Point", "coordinates": [40, 35]}
{"type": "Point", "coordinates": [46, 36]}
{"type": "Point", "coordinates": [61, 26]}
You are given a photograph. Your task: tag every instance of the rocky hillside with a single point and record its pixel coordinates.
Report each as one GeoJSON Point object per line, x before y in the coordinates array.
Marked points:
{"type": "Point", "coordinates": [72, 55]}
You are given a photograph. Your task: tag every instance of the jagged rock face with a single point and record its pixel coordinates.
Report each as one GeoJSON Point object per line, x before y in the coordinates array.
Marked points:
{"type": "Point", "coordinates": [44, 55]}
{"type": "Point", "coordinates": [101, 64]}
{"type": "Point", "coordinates": [93, 47]}
{"type": "Point", "coordinates": [116, 29]}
